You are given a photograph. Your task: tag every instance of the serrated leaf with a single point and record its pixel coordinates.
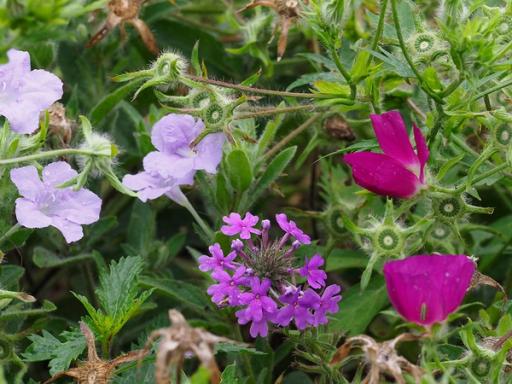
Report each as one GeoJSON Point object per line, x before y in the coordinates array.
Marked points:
{"type": "Point", "coordinates": [229, 375]}
{"type": "Point", "coordinates": [237, 348]}
{"type": "Point", "coordinates": [60, 353]}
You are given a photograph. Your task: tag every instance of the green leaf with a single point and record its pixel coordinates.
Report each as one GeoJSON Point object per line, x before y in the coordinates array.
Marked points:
{"type": "Point", "coordinates": [358, 308]}
{"type": "Point", "coordinates": [119, 295]}
{"type": "Point", "coordinates": [190, 295]}
{"type": "Point", "coordinates": [449, 165]}
{"type": "Point", "coordinates": [43, 258]}
{"type": "Point", "coordinates": [274, 170]}
{"type": "Point", "coordinates": [141, 228]}
{"type": "Point", "coordinates": [60, 353]}
{"type": "Point", "coordinates": [345, 258]}
{"type": "Point", "coordinates": [240, 170]}
{"type": "Point", "coordinates": [109, 102]}
{"type": "Point", "coordinates": [237, 348]}
{"type": "Point", "coordinates": [229, 375]}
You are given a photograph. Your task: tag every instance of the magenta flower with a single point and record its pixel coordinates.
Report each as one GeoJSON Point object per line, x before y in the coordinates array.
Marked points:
{"type": "Point", "coordinates": [236, 225]}
{"type": "Point", "coordinates": [175, 163]}
{"type": "Point", "coordinates": [425, 289]}
{"type": "Point", "coordinates": [25, 93]}
{"type": "Point", "coordinates": [227, 286]}
{"type": "Point", "coordinates": [315, 276]}
{"type": "Point", "coordinates": [399, 171]}
{"type": "Point", "coordinates": [217, 260]}
{"type": "Point", "coordinates": [327, 303]}
{"type": "Point", "coordinates": [44, 204]}
{"type": "Point", "coordinates": [291, 229]}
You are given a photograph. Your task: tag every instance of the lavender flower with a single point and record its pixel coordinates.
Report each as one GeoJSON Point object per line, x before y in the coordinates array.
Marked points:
{"type": "Point", "coordinates": [45, 204]}
{"type": "Point", "coordinates": [175, 162]}
{"type": "Point", "coordinates": [291, 229]}
{"type": "Point", "coordinates": [263, 284]}
{"type": "Point", "coordinates": [237, 225]}
{"type": "Point", "coordinates": [25, 93]}
{"type": "Point", "coordinates": [316, 277]}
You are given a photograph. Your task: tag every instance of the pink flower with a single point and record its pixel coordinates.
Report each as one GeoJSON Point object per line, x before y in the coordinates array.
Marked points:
{"type": "Point", "coordinates": [236, 225]}
{"type": "Point", "coordinates": [425, 289]}
{"type": "Point", "coordinates": [399, 171]}
{"type": "Point", "coordinates": [217, 260]}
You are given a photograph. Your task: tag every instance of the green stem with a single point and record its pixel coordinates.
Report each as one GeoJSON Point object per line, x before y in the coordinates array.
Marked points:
{"type": "Point", "coordinates": [484, 176]}
{"type": "Point", "coordinates": [262, 91]}
{"type": "Point", "coordinates": [491, 90]}
{"type": "Point", "coordinates": [189, 207]}
{"type": "Point", "coordinates": [245, 358]}
{"type": "Point", "coordinates": [297, 131]}
{"type": "Point", "coordinates": [11, 231]}
{"type": "Point", "coordinates": [274, 111]}
{"type": "Point", "coordinates": [408, 58]}
{"type": "Point", "coordinates": [500, 54]}
{"type": "Point", "coordinates": [343, 71]}
{"type": "Point", "coordinates": [435, 130]}
{"type": "Point", "coordinates": [380, 25]}
{"type": "Point", "coordinates": [48, 154]}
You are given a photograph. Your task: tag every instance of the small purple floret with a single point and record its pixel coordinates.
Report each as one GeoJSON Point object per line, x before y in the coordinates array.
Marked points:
{"type": "Point", "coordinates": [236, 225]}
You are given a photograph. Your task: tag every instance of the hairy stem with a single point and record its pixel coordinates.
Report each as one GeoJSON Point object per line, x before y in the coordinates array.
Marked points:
{"type": "Point", "coordinates": [297, 131]}
{"type": "Point", "coordinates": [48, 154]}
{"type": "Point", "coordinates": [274, 111]}
{"type": "Point", "coordinates": [262, 91]}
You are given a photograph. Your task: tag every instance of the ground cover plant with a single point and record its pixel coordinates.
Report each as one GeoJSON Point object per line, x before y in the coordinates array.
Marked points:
{"type": "Point", "coordinates": [245, 191]}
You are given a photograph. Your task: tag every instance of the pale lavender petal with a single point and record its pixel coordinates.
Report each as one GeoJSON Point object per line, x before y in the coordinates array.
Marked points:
{"type": "Point", "coordinates": [27, 181]}
{"type": "Point", "coordinates": [209, 152]}
{"type": "Point", "coordinates": [392, 136]}
{"type": "Point", "coordinates": [177, 195]}
{"type": "Point", "coordinates": [174, 131]}
{"type": "Point", "coordinates": [168, 165]}
{"type": "Point", "coordinates": [382, 174]}
{"type": "Point", "coordinates": [57, 173]}
{"type": "Point", "coordinates": [41, 89]}
{"type": "Point", "coordinates": [17, 66]}
{"type": "Point", "coordinates": [22, 118]}
{"type": "Point", "coordinates": [422, 150]}
{"type": "Point", "coordinates": [29, 215]}
{"type": "Point", "coordinates": [81, 207]}
{"type": "Point", "coordinates": [72, 232]}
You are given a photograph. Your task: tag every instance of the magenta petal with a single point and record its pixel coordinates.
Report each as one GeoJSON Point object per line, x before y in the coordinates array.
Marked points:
{"type": "Point", "coordinates": [425, 289]}
{"type": "Point", "coordinates": [382, 175]}
{"type": "Point", "coordinates": [421, 149]}
{"type": "Point", "coordinates": [392, 136]}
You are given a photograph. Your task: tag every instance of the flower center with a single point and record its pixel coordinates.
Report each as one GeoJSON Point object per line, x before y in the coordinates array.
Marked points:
{"type": "Point", "coordinates": [449, 207]}
{"type": "Point", "coordinates": [388, 239]}
{"type": "Point", "coordinates": [503, 135]}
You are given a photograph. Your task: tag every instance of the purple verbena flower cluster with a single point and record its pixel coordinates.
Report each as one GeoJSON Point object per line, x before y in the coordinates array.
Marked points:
{"type": "Point", "coordinates": [259, 277]}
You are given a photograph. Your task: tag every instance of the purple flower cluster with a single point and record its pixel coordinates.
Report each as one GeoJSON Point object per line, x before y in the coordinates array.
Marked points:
{"type": "Point", "coordinates": [259, 277]}
{"type": "Point", "coordinates": [44, 204]}
{"type": "Point", "coordinates": [175, 162]}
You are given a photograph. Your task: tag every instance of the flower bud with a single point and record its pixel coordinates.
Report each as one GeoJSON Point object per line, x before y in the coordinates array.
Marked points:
{"type": "Point", "coordinates": [169, 66]}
